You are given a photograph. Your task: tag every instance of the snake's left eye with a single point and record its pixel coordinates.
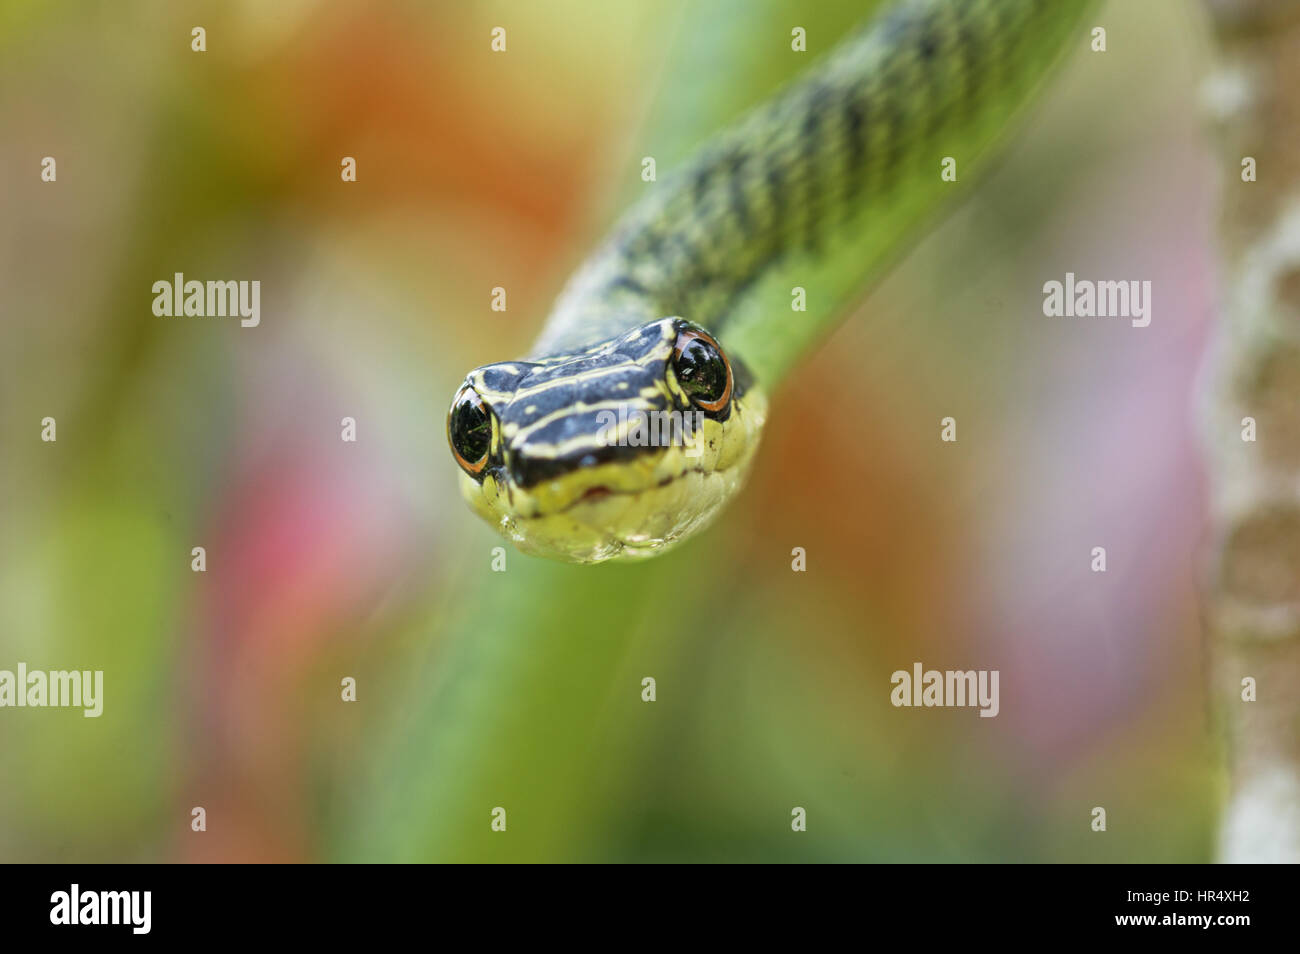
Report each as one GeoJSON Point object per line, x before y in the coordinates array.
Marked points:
{"type": "Point", "coordinates": [469, 430]}
{"type": "Point", "coordinates": [702, 369]}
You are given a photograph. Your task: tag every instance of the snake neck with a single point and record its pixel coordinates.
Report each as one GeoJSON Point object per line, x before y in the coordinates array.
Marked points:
{"type": "Point", "coordinates": [854, 144]}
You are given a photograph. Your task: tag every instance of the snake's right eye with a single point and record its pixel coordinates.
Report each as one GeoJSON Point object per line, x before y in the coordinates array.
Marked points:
{"type": "Point", "coordinates": [702, 369]}
{"type": "Point", "coordinates": [469, 430]}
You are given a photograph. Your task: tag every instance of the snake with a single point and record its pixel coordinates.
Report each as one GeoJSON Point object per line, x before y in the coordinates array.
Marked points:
{"type": "Point", "coordinates": [638, 414]}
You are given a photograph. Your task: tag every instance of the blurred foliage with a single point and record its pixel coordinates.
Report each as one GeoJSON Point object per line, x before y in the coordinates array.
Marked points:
{"type": "Point", "coordinates": [522, 689]}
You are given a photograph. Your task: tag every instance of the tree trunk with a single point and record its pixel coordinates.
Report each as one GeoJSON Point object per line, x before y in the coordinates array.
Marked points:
{"type": "Point", "coordinates": [1252, 600]}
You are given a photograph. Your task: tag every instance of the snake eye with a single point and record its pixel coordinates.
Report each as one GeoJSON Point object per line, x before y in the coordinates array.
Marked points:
{"type": "Point", "coordinates": [469, 430]}
{"type": "Point", "coordinates": [702, 369]}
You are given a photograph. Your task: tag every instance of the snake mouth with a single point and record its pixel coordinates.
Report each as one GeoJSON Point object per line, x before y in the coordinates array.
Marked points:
{"type": "Point", "coordinates": [602, 492]}
{"type": "Point", "coordinates": [582, 486]}
{"type": "Point", "coordinates": [606, 522]}
{"type": "Point", "coordinates": [598, 494]}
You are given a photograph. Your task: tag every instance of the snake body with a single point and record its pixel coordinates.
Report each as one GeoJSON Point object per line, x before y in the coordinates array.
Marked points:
{"type": "Point", "coordinates": [663, 317]}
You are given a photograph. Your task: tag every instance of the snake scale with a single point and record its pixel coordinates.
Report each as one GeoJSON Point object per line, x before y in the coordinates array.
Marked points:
{"type": "Point", "coordinates": [660, 325]}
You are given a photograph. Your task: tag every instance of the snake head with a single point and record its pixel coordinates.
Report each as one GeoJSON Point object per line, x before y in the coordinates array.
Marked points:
{"type": "Point", "coordinates": [615, 451]}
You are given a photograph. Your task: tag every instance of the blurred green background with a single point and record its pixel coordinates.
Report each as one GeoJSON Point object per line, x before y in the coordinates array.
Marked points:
{"type": "Point", "coordinates": [522, 689]}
